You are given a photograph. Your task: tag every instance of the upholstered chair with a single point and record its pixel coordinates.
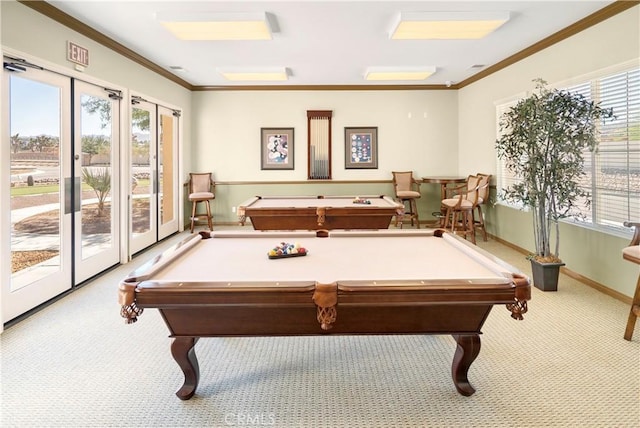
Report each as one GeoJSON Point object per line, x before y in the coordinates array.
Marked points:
{"type": "Point", "coordinates": [407, 190]}
{"type": "Point", "coordinates": [201, 190]}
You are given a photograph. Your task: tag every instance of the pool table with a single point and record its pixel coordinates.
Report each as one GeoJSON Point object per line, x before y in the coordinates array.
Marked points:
{"type": "Point", "coordinates": [319, 212]}
{"type": "Point", "coordinates": [224, 283]}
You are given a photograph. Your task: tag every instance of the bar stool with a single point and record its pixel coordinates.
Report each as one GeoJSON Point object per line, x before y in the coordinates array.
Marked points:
{"type": "Point", "coordinates": [201, 187]}
{"type": "Point", "coordinates": [407, 190]}
{"type": "Point", "coordinates": [459, 205]}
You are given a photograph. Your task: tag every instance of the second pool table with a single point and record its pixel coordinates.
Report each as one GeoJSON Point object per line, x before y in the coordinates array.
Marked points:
{"type": "Point", "coordinates": [319, 212]}
{"type": "Point", "coordinates": [224, 283]}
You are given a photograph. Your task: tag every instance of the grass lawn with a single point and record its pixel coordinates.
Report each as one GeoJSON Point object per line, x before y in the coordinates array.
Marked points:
{"type": "Point", "coordinates": [51, 188]}
{"type": "Point", "coordinates": [34, 190]}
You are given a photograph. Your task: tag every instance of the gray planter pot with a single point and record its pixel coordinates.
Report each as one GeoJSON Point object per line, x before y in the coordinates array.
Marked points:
{"type": "Point", "coordinates": [545, 275]}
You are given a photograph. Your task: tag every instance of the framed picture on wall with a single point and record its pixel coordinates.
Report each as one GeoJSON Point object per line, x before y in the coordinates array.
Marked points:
{"type": "Point", "coordinates": [361, 147]}
{"type": "Point", "coordinates": [276, 148]}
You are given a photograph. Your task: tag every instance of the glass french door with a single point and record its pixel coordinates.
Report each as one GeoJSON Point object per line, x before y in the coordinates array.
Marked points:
{"type": "Point", "coordinates": [96, 179]}
{"type": "Point", "coordinates": [36, 150]}
{"type": "Point", "coordinates": [167, 172]}
{"type": "Point", "coordinates": [143, 204]}
{"type": "Point", "coordinates": [62, 185]}
{"type": "Point", "coordinates": [153, 207]}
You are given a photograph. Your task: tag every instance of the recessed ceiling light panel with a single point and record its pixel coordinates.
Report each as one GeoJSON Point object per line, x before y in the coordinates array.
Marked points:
{"type": "Point", "coordinates": [446, 25]}
{"type": "Point", "coordinates": [399, 73]}
{"type": "Point", "coordinates": [254, 74]}
{"type": "Point", "coordinates": [216, 26]}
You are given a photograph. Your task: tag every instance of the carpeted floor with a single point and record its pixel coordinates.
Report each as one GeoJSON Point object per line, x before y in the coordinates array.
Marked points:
{"type": "Point", "coordinates": [76, 364]}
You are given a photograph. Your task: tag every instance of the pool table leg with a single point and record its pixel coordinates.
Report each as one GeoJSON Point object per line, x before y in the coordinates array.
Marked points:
{"type": "Point", "coordinates": [466, 352]}
{"type": "Point", "coordinates": [184, 353]}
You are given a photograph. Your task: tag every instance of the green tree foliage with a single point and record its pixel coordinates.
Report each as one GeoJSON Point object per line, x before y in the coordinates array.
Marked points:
{"type": "Point", "coordinates": [16, 143]}
{"type": "Point", "coordinates": [95, 144]}
{"type": "Point", "coordinates": [42, 142]}
{"type": "Point", "coordinates": [99, 179]}
{"type": "Point", "coordinates": [140, 119]}
{"type": "Point", "coordinates": [102, 106]}
{"type": "Point", "coordinates": [543, 141]}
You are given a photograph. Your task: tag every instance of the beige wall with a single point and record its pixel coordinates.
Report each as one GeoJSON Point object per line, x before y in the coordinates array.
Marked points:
{"type": "Point", "coordinates": [592, 254]}
{"type": "Point", "coordinates": [417, 130]}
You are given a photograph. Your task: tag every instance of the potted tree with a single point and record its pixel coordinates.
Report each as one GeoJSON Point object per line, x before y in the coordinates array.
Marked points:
{"type": "Point", "coordinates": [544, 138]}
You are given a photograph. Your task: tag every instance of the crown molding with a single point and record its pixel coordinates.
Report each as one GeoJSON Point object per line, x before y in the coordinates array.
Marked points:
{"type": "Point", "coordinates": [324, 88]}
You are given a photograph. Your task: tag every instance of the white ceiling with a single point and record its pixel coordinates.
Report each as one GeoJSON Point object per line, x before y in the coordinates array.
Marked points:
{"type": "Point", "coordinates": [326, 42]}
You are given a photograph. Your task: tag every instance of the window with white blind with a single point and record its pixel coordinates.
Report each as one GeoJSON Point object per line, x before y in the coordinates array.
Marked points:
{"type": "Point", "coordinates": [612, 173]}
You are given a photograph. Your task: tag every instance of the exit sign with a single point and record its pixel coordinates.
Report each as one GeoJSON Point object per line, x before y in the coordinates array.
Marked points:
{"type": "Point", "coordinates": [77, 54]}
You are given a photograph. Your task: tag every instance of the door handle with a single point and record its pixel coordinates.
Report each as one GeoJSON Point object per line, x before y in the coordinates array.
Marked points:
{"type": "Point", "coordinates": [78, 188]}
{"type": "Point", "coordinates": [69, 204]}
{"type": "Point", "coordinates": [67, 195]}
